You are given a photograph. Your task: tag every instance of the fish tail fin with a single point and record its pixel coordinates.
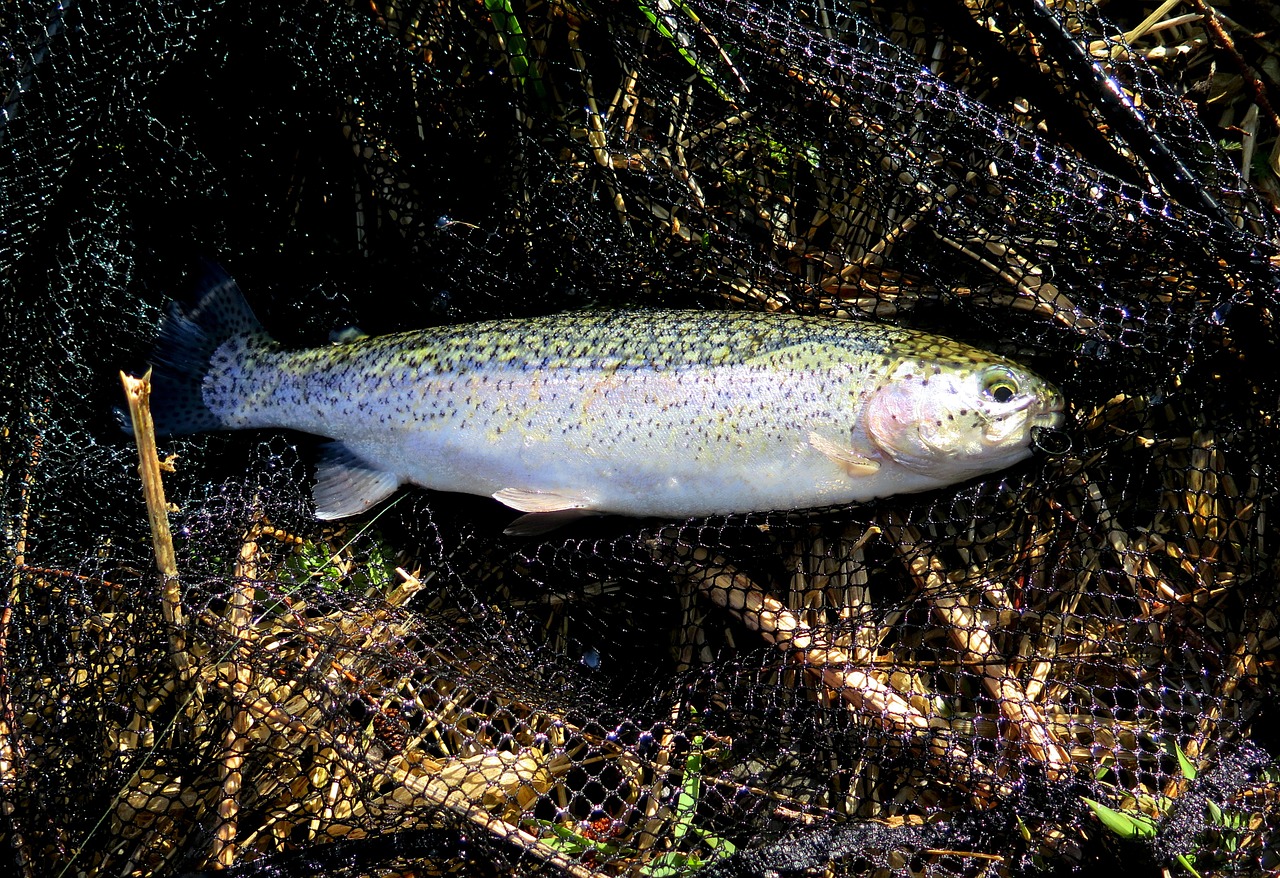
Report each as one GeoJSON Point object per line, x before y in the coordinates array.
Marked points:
{"type": "Point", "coordinates": [192, 332]}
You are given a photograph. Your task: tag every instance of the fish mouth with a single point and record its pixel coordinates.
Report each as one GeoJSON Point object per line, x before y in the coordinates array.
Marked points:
{"type": "Point", "coordinates": [1039, 414]}
{"type": "Point", "coordinates": [1045, 426]}
{"type": "Point", "coordinates": [1052, 410]}
{"type": "Point", "coordinates": [1050, 420]}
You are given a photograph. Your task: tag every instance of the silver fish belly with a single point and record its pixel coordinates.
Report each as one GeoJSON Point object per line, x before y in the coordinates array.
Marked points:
{"type": "Point", "coordinates": [662, 413]}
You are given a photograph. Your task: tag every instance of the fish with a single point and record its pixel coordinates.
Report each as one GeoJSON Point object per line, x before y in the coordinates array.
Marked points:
{"type": "Point", "coordinates": [667, 413]}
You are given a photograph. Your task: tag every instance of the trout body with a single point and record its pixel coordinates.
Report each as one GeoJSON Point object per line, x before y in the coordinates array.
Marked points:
{"type": "Point", "coordinates": [666, 413]}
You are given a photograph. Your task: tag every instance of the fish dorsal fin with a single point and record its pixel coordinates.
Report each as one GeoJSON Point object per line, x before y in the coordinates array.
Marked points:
{"type": "Point", "coordinates": [854, 464]}
{"type": "Point", "coordinates": [346, 485]}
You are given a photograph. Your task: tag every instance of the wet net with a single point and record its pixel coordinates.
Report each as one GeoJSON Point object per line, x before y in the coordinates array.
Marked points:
{"type": "Point", "coordinates": [1065, 665]}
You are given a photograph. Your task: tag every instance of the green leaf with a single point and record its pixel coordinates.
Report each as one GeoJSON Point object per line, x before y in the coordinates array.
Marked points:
{"type": "Point", "coordinates": [1022, 828]}
{"type": "Point", "coordinates": [1215, 813]}
{"type": "Point", "coordinates": [566, 839]}
{"type": "Point", "coordinates": [1125, 825]}
{"type": "Point", "coordinates": [721, 846]}
{"type": "Point", "coordinates": [1104, 766]}
{"type": "Point", "coordinates": [666, 26]}
{"type": "Point", "coordinates": [690, 790]}
{"type": "Point", "coordinates": [670, 865]}
{"type": "Point", "coordinates": [1188, 770]}
{"type": "Point", "coordinates": [1186, 864]}
{"type": "Point", "coordinates": [678, 863]}
{"type": "Point", "coordinates": [515, 44]}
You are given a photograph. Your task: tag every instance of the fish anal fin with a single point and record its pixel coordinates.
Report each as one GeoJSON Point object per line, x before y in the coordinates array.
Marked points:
{"type": "Point", "coordinates": [853, 463]}
{"type": "Point", "coordinates": [536, 523]}
{"type": "Point", "coordinates": [540, 501]}
{"type": "Point", "coordinates": [346, 485]}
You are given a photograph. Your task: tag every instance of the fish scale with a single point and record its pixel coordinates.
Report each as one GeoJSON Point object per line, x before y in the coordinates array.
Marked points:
{"type": "Point", "coordinates": [664, 413]}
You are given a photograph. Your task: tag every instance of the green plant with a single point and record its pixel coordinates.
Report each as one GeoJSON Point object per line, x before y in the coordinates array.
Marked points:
{"type": "Point", "coordinates": [674, 863]}
{"type": "Point", "coordinates": [1140, 821]}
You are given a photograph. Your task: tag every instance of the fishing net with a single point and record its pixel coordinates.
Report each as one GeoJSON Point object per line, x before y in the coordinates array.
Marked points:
{"type": "Point", "coordinates": [1067, 664]}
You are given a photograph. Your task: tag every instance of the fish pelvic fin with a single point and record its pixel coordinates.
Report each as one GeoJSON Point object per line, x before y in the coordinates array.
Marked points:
{"type": "Point", "coordinates": [346, 485]}
{"type": "Point", "coordinates": [540, 501]}
{"type": "Point", "coordinates": [547, 510]}
{"type": "Point", "coordinates": [190, 335]}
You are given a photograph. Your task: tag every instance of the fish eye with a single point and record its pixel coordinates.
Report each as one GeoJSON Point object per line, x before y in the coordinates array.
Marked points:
{"type": "Point", "coordinates": [1000, 385]}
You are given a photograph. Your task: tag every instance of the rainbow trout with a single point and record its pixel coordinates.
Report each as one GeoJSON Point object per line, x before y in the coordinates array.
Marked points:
{"type": "Point", "coordinates": [664, 413]}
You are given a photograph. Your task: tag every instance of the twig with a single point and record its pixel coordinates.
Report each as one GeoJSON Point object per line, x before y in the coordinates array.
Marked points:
{"type": "Point", "coordinates": [137, 392]}
{"type": "Point", "coordinates": [1213, 24]}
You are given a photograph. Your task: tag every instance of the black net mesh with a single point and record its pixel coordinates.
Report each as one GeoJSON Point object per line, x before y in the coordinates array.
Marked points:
{"type": "Point", "coordinates": [938, 684]}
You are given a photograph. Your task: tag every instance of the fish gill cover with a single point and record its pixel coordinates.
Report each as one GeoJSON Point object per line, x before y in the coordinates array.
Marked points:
{"type": "Point", "coordinates": [1067, 664]}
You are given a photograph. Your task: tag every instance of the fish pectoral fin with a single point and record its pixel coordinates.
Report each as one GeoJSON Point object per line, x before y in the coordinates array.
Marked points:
{"type": "Point", "coordinates": [346, 485]}
{"type": "Point", "coordinates": [853, 463]}
{"type": "Point", "coordinates": [536, 523]}
{"type": "Point", "coordinates": [540, 501]}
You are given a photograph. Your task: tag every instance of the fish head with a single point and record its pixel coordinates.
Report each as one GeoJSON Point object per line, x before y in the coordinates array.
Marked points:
{"type": "Point", "coordinates": [955, 418]}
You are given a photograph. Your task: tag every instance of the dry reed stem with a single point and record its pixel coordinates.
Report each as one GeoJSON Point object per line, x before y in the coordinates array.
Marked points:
{"type": "Point", "coordinates": [446, 789]}
{"type": "Point", "coordinates": [1025, 279]}
{"type": "Point", "coordinates": [765, 614]}
{"type": "Point", "coordinates": [408, 586]}
{"type": "Point", "coordinates": [138, 394]}
{"type": "Point", "coordinates": [1242, 666]}
{"type": "Point", "coordinates": [626, 99]}
{"type": "Point", "coordinates": [691, 619]}
{"type": "Point", "coordinates": [657, 812]}
{"type": "Point", "coordinates": [865, 694]}
{"type": "Point", "coordinates": [596, 138]}
{"type": "Point", "coordinates": [12, 753]}
{"type": "Point", "coordinates": [235, 741]}
{"type": "Point", "coordinates": [835, 577]}
{"type": "Point", "coordinates": [978, 650]}
{"type": "Point", "coordinates": [452, 800]}
{"type": "Point", "coordinates": [265, 707]}
{"type": "Point", "coordinates": [1123, 550]}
